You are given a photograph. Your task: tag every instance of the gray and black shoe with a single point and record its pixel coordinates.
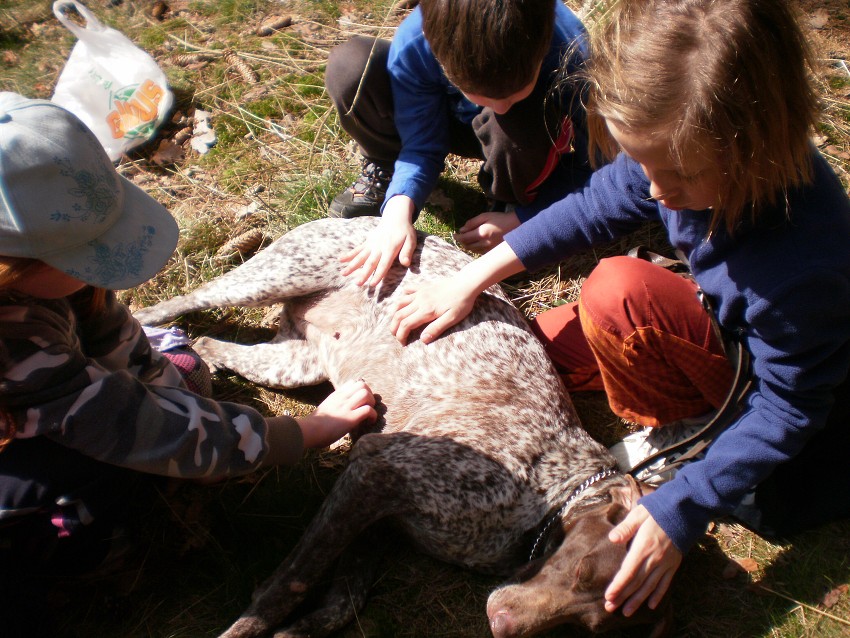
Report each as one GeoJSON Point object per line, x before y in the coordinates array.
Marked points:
{"type": "Point", "coordinates": [365, 196]}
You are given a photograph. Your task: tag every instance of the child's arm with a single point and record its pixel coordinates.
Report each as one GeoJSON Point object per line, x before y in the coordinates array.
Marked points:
{"type": "Point", "coordinates": [52, 387]}
{"type": "Point", "coordinates": [341, 412]}
{"type": "Point", "coordinates": [394, 237]}
{"type": "Point", "coordinates": [447, 301]}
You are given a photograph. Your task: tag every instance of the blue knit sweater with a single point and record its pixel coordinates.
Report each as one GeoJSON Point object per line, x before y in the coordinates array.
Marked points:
{"type": "Point", "coordinates": [784, 283]}
{"type": "Point", "coordinates": [424, 100]}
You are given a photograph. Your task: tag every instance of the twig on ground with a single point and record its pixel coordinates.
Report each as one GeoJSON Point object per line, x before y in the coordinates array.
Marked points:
{"type": "Point", "coordinates": [843, 621]}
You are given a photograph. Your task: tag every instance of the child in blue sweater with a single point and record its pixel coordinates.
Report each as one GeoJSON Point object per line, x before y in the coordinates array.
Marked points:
{"type": "Point", "coordinates": [706, 108]}
{"type": "Point", "coordinates": [474, 78]}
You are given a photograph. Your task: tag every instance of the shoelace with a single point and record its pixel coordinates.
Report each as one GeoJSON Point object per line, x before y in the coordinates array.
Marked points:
{"type": "Point", "coordinates": [372, 177]}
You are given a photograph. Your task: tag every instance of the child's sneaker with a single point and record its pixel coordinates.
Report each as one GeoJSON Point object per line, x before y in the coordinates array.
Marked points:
{"type": "Point", "coordinates": [193, 369]}
{"type": "Point", "coordinates": [366, 195]}
{"type": "Point", "coordinates": [641, 444]}
{"type": "Point", "coordinates": [173, 344]}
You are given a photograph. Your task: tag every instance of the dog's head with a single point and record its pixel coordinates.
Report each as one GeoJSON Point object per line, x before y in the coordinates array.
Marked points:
{"type": "Point", "coordinates": [567, 585]}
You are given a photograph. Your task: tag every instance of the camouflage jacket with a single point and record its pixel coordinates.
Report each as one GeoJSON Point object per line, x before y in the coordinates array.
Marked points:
{"type": "Point", "coordinates": [98, 387]}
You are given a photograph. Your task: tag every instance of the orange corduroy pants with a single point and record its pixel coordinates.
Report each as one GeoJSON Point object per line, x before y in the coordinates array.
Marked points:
{"type": "Point", "coordinates": [639, 332]}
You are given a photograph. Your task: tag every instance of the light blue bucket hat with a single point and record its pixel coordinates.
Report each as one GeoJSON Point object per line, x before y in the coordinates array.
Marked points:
{"type": "Point", "coordinates": [62, 201]}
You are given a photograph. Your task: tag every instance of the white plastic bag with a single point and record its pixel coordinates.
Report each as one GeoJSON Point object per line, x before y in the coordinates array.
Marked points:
{"type": "Point", "coordinates": [113, 86]}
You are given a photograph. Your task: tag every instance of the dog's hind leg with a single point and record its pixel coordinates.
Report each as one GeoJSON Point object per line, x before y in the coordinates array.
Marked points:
{"type": "Point", "coordinates": [257, 282]}
{"type": "Point", "coordinates": [302, 262]}
{"type": "Point", "coordinates": [353, 577]}
{"type": "Point", "coordinates": [283, 364]}
{"type": "Point", "coordinates": [368, 491]}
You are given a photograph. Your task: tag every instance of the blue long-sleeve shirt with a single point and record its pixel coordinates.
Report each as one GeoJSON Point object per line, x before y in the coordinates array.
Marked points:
{"type": "Point", "coordinates": [424, 100]}
{"type": "Point", "coordinates": [785, 284]}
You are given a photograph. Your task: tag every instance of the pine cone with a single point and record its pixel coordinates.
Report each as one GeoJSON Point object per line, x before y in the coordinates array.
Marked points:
{"type": "Point", "coordinates": [241, 245]}
{"type": "Point", "coordinates": [273, 24]}
{"type": "Point", "coordinates": [182, 135]}
{"type": "Point", "coordinates": [248, 74]}
{"type": "Point", "coordinates": [187, 59]}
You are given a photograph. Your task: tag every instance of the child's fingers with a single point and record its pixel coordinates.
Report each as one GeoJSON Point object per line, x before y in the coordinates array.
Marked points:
{"type": "Point", "coordinates": [358, 401]}
{"type": "Point", "coordinates": [381, 270]}
{"type": "Point", "coordinates": [437, 327]}
{"type": "Point", "coordinates": [629, 526]}
{"type": "Point", "coordinates": [363, 397]}
{"type": "Point", "coordinates": [479, 247]}
{"type": "Point", "coordinates": [351, 254]}
{"type": "Point", "coordinates": [355, 260]}
{"type": "Point", "coordinates": [472, 223]}
{"type": "Point", "coordinates": [366, 413]}
{"type": "Point", "coordinates": [357, 391]}
{"type": "Point", "coordinates": [406, 320]}
{"type": "Point", "coordinates": [660, 590]}
{"type": "Point", "coordinates": [467, 237]}
{"type": "Point", "coordinates": [402, 310]}
{"type": "Point", "coordinates": [405, 256]}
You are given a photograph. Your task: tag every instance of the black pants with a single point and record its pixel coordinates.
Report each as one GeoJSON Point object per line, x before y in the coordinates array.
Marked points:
{"type": "Point", "coordinates": [514, 146]}
{"type": "Point", "coordinates": [59, 508]}
{"type": "Point", "coordinates": [813, 488]}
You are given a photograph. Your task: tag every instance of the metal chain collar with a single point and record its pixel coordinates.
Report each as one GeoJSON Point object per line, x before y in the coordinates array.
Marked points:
{"type": "Point", "coordinates": [576, 493]}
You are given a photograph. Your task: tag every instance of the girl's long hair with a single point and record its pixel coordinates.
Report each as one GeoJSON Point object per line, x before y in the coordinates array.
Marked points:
{"type": "Point", "coordinates": [732, 78]}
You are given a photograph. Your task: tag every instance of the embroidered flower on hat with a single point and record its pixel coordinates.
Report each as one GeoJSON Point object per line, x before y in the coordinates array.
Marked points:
{"type": "Point", "coordinates": [116, 262]}
{"type": "Point", "coordinates": [64, 203]}
{"type": "Point", "coordinates": [97, 191]}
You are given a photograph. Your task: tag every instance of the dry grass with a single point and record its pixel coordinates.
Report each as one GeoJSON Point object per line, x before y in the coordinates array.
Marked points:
{"type": "Point", "coordinates": [279, 159]}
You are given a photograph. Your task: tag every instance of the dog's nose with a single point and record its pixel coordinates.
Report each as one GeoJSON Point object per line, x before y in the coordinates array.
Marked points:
{"type": "Point", "coordinates": [501, 624]}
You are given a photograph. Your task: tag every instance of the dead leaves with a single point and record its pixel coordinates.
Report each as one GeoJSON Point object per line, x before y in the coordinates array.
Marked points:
{"type": "Point", "coordinates": [10, 58]}
{"type": "Point", "coordinates": [833, 596]}
{"type": "Point", "coordinates": [195, 132]}
{"type": "Point", "coordinates": [167, 152]}
{"type": "Point", "coordinates": [203, 135]}
{"type": "Point", "coordinates": [819, 19]}
{"type": "Point", "coordinates": [403, 6]}
{"type": "Point", "coordinates": [737, 566]}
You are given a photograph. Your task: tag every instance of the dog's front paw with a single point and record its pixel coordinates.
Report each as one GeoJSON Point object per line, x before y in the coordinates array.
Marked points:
{"type": "Point", "coordinates": [208, 349]}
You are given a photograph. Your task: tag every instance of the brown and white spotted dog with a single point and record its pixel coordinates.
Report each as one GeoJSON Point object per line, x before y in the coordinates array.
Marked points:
{"type": "Point", "coordinates": [479, 458]}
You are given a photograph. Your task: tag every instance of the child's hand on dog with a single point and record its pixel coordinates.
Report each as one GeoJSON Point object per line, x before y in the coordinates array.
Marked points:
{"type": "Point", "coordinates": [344, 409]}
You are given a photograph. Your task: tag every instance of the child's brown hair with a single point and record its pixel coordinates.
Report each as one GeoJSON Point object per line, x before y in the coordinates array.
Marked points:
{"type": "Point", "coordinates": [14, 269]}
{"type": "Point", "coordinates": [489, 47]}
{"type": "Point", "coordinates": [730, 77]}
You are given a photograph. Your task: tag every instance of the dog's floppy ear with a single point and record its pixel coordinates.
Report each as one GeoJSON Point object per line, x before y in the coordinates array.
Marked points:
{"type": "Point", "coordinates": [628, 496]}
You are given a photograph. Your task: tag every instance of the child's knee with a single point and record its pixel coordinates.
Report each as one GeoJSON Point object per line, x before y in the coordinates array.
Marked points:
{"type": "Point", "coordinates": [347, 62]}
{"type": "Point", "coordinates": [193, 369]}
{"type": "Point", "coordinates": [616, 293]}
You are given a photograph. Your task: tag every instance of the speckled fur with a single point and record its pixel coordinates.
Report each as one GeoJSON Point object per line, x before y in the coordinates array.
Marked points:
{"type": "Point", "coordinates": [479, 441]}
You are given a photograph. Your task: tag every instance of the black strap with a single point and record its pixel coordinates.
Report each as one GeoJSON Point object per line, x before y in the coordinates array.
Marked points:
{"type": "Point", "coordinates": [738, 356]}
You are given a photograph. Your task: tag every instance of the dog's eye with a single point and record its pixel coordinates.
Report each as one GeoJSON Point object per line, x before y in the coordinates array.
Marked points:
{"type": "Point", "coordinates": [584, 575]}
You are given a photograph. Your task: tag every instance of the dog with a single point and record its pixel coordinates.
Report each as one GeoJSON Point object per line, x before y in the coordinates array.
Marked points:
{"type": "Point", "coordinates": [478, 457]}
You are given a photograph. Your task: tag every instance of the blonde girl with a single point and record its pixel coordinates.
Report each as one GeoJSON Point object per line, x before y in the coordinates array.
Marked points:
{"type": "Point", "coordinates": [705, 108]}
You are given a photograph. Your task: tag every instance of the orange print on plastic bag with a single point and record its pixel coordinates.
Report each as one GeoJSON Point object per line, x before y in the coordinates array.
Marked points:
{"type": "Point", "coordinates": [136, 110]}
